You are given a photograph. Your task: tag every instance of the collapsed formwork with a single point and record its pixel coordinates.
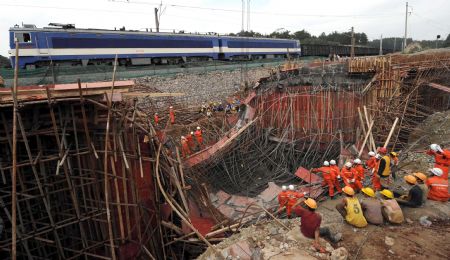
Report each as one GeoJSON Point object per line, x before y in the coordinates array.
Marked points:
{"type": "Point", "coordinates": [159, 204]}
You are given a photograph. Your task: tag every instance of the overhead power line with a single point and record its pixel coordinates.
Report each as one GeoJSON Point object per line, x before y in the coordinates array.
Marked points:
{"type": "Point", "coordinates": [259, 12]}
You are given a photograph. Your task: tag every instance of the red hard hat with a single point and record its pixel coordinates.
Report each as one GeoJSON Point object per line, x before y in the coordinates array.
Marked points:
{"type": "Point", "coordinates": [382, 150]}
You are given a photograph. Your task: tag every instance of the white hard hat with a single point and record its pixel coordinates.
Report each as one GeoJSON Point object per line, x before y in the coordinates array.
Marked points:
{"type": "Point", "coordinates": [371, 154]}
{"type": "Point", "coordinates": [436, 171]}
{"type": "Point", "coordinates": [348, 164]}
{"type": "Point", "coordinates": [198, 127]}
{"type": "Point", "coordinates": [333, 162]}
{"type": "Point", "coordinates": [357, 161]}
{"type": "Point", "coordinates": [284, 187]}
{"type": "Point", "coordinates": [291, 187]}
{"type": "Point", "coordinates": [182, 137]}
{"type": "Point", "coordinates": [326, 163]}
{"type": "Point", "coordinates": [436, 147]}
{"type": "Point", "coordinates": [171, 107]}
{"type": "Point", "coordinates": [156, 113]}
{"type": "Point", "coordinates": [378, 156]}
{"type": "Point", "coordinates": [192, 133]}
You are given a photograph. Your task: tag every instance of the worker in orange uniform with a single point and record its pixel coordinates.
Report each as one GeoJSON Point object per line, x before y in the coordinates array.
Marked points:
{"type": "Point", "coordinates": [283, 197]}
{"type": "Point", "coordinates": [293, 196]}
{"type": "Point", "coordinates": [171, 115]}
{"type": "Point", "coordinates": [327, 177]}
{"type": "Point", "coordinates": [438, 186]}
{"type": "Point", "coordinates": [190, 141]}
{"type": "Point", "coordinates": [441, 158]}
{"type": "Point", "coordinates": [372, 162]}
{"type": "Point", "coordinates": [336, 175]}
{"type": "Point", "coordinates": [185, 151]}
{"type": "Point", "coordinates": [359, 171]}
{"type": "Point", "coordinates": [348, 175]}
{"type": "Point", "coordinates": [199, 137]}
{"type": "Point", "coordinates": [375, 178]}
{"type": "Point", "coordinates": [156, 118]}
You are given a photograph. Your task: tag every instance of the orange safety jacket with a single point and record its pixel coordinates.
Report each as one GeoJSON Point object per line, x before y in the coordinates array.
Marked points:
{"type": "Point", "coordinates": [326, 172]}
{"type": "Point", "coordinates": [441, 161]}
{"type": "Point", "coordinates": [156, 118]}
{"type": "Point", "coordinates": [334, 171]}
{"type": "Point", "coordinates": [372, 162]}
{"type": "Point", "coordinates": [347, 175]}
{"type": "Point", "coordinates": [198, 135]}
{"type": "Point", "coordinates": [190, 141]}
{"type": "Point", "coordinates": [172, 116]}
{"type": "Point", "coordinates": [359, 171]}
{"type": "Point", "coordinates": [283, 198]}
{"type": "Point", "coordinates": [438, 188]}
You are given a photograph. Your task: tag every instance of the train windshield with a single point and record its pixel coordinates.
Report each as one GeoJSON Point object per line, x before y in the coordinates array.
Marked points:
{"type": "Point", "coordinates": [23, 37]}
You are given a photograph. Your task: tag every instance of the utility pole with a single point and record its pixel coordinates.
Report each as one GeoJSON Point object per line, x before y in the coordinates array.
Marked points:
{"type": "Point", "coordinates": [381, 44]}
{"type": "Point", "coordinates": [156, 19]}
{"type": "Point", "coordinates": [352, 51]}
{"type": "Point", "coordinates": [395, 42]}
{"type": "Point", "coordinates": [248, 15]}
{"type": "Point", "coordinates": [243, 8]}
{"type": "Point", "coordinates": [406, 27]}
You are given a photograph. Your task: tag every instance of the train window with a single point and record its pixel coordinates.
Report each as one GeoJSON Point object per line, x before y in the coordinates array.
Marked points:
{"type": "Point", "coordinates": [23, 37]}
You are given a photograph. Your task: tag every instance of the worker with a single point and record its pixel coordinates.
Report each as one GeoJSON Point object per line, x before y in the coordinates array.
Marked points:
{"type": "Point", "coordinates": [293, 197]}
{"type": "Point", "coordinates": [171, 115]}
{"type": "Point", "coordinates": [359, 171]}
{"type": "Point", "coordinates": [441, 158]}
{"type": "Point", "coordinates": [156, 118]}
{"type": "Point", "coordinates": [336, 175]}
{"type": "Point", "coordinates": [199, 136]}
{"type": "Point", "coordinates": [2, 82]}
{"type": "Point", "coordinates": [375, 178]}
{"type": "Point", "coordinates": [390, 209]}
{"type": "Point", "coordinates": [283, 197]}
{"type": "Point", "coordinates": [394, 158]}
{"type": "Point", "coordinates": [350, 209]}
{"type": "Point", "coordinates": [190, 141]}
{"type": "Point", "coordinates": [310, 224]}
{"type": "Point", "coordinates": [371, 163]}
{"type": "Point", "coordinates": [185, 151]}
{"type": "Point", "coordinates": [437, 185]}
{"type": "Point", "coordinates": [384, 168]}
{"type": "Point", "coordinates": [421, 179]}
{"type": "Point", "coordinates": [414, 197]}
{"type": "Point", "coordinates": [348, 175]}
{"type": "Point", "coordinates": [327, 177]}
{"type": "Point", "coordinates": [371, 207]}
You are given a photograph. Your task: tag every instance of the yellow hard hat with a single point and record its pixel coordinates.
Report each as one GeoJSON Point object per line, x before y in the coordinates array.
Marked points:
{"type": "Point", "coordinates": [420, 175]}
{"type": "Point", "coordinates": [394, 154]}
{"type": "Point", "coordinates": [368, 191]}
{"type": "Point", "coordinates": [348, 190]}
{"type": "Point", "coordinates": [410, 179]}
{"type": "Point", "coordinates": [387, 193]}
{"type": "Point", "coordinates": [311, 203]}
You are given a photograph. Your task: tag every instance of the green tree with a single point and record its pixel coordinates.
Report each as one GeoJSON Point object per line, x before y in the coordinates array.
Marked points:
{"type": "Point", "coordinates": [447, 41]}
{"type": "Point", "coordinates": [302, 35]}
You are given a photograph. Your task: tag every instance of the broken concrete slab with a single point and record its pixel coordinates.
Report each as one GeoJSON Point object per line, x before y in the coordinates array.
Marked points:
{"type": "Point", "coordinates": [226, 210]}
{"type": "Point", "coordinates": [241, 250]}
{"type": "Point", "coordinates": [240, 201]}
{"type": "Point", "coordinates": [270, 193]}
{"type": "Point", "coordinates": [223, 197]}
{"type": "Point", "coordinates": [307, 176]}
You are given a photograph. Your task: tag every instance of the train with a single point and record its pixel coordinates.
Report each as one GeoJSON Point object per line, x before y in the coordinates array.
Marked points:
{"type": "Point", "coordinates": [341, 50]}
{"type": "Point", "coordinates": [64, 44]}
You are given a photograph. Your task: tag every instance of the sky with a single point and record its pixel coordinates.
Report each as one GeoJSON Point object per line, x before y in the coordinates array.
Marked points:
{"type": "Point", "coordinates": [375, 17]}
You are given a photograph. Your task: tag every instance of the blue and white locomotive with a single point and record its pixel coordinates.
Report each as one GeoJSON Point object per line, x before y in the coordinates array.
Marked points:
{"type": "Point", "coordinates": [64, 44]}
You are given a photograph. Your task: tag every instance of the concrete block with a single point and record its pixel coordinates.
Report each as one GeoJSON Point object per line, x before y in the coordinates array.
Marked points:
{"type": "Point", "coordinates": [270, 193]}
{"type": "Point", "coordinates": [223, 197]}
{"type": "Point", "coordinates": [226, 210]}
{"type": "Point", "coordinates": [241, 250]}
{"type": "Point", "coordinates": [240, 201]}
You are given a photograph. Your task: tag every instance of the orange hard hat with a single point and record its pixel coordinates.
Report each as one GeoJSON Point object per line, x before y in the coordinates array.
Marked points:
{"type": "Point", "coordinates": [349, 190]}
{"type": "Point", "coordinates": [311, 203]}
{"type": "Point", "coordinates": [420, 176]}
{"type": "Point", "coordinates": [410, 179]}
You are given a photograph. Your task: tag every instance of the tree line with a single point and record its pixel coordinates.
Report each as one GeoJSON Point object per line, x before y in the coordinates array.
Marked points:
{"type": "Point", "coordinates": [344, 38]}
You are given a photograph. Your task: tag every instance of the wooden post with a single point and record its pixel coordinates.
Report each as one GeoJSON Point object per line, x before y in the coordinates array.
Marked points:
{"type": "Point", "coordinates": [14, 157]}
{"type": "Point", "coordinates": [105, 165]}
{"type": "Point", "coordinates": [365, 139]}
{"type": "Point", "coordinates": [390, 133]}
